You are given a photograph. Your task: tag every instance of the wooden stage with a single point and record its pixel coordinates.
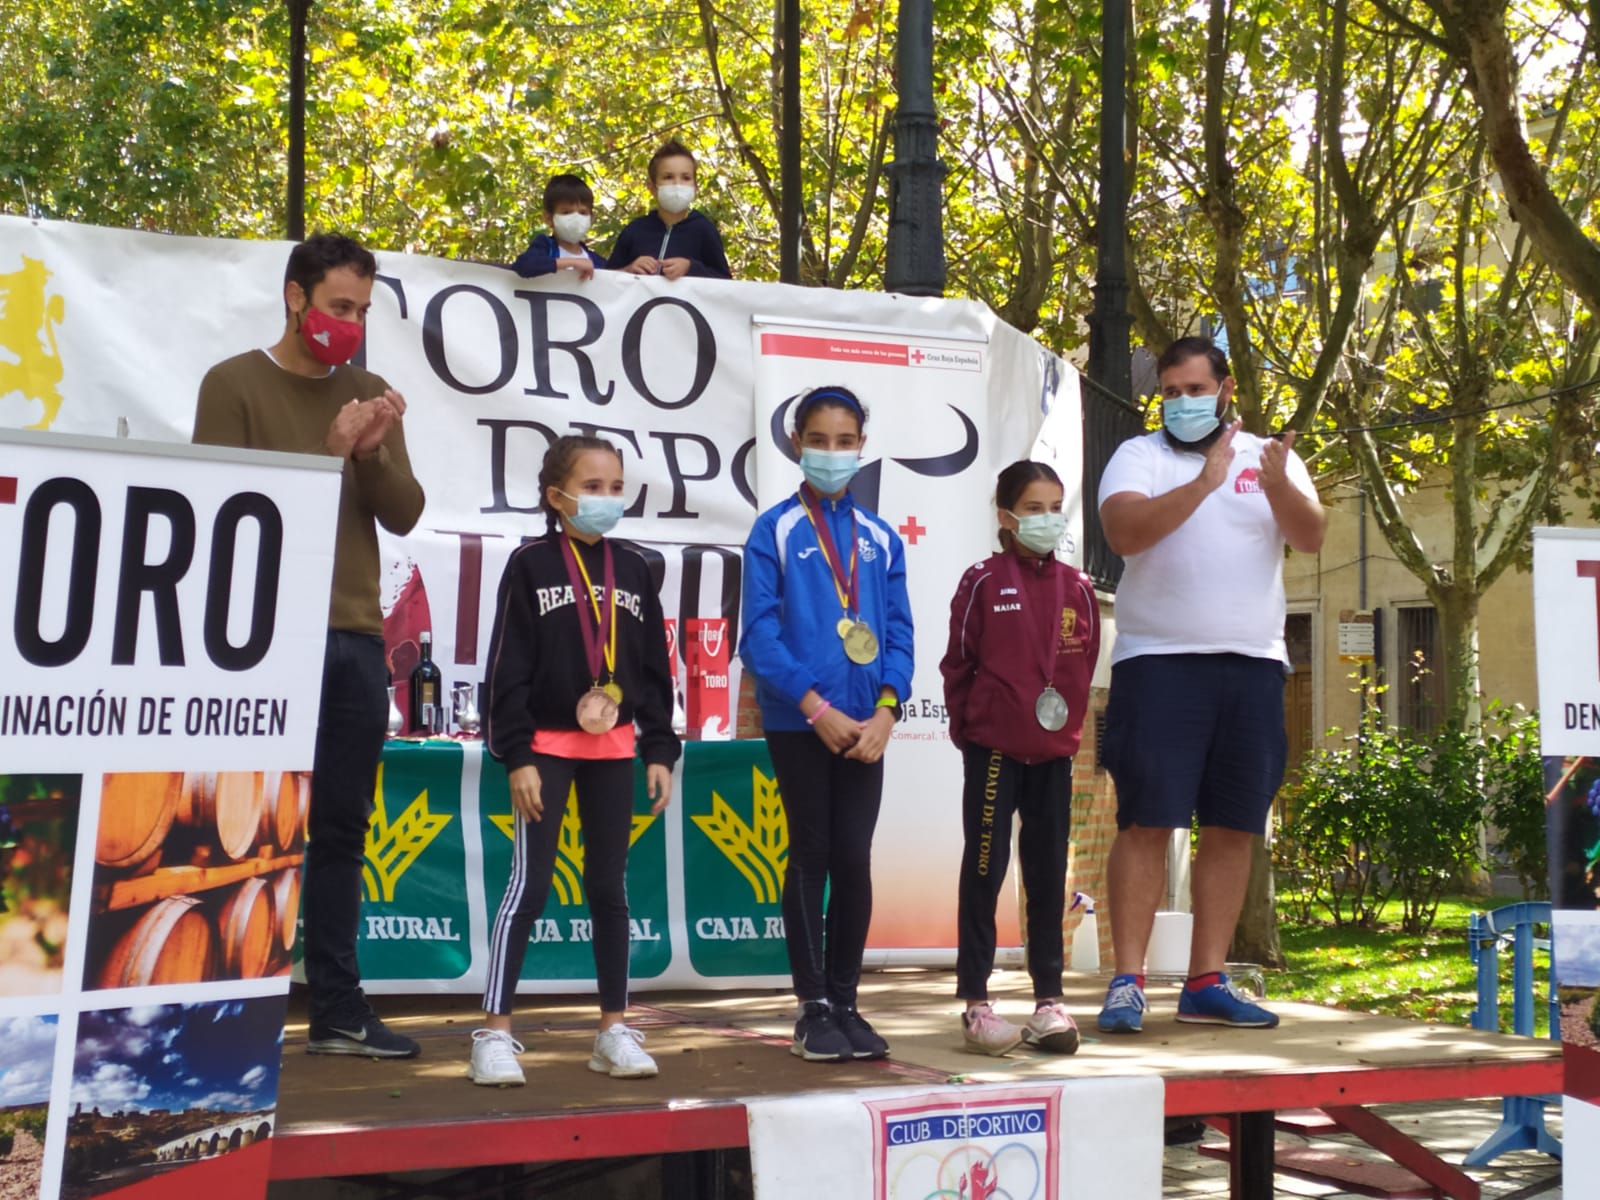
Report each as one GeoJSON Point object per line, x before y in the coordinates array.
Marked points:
{"type": "Point", "coordinates": [353, 1116]}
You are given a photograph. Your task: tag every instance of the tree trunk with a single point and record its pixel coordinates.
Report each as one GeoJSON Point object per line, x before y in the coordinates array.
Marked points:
{"type": "Point", "coordinates": [1256, 938]}
{"type": "Point", "coordinates": [1477, 32]}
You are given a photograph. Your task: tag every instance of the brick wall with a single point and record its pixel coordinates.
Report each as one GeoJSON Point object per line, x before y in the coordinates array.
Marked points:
{"type": "Point", "coordinates": [1094, 824]}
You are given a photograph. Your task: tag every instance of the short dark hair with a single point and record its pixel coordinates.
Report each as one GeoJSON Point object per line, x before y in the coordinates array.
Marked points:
{"type": "Point", "coordinates": [566, 189]}
{"type": "Point", "coordinates": [312, 259]}
{"type": "Point", "coordinates": [1186, 348]}
{"type": "Point", "coordinates": [671, 148]}
{"type": "Point", "coordinates": [820, 398]}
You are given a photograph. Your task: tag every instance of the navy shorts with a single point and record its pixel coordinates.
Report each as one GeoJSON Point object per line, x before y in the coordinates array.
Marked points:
{"type": "Point", "coordinates": [1195, 735]}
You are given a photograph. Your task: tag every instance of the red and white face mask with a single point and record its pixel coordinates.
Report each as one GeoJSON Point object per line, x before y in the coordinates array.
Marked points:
{"type": "Point", "coordinates": [330, 340]}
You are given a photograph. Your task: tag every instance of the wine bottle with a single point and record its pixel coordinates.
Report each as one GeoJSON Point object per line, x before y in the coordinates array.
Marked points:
{"type": "Point", "coordinates": [426, 684]}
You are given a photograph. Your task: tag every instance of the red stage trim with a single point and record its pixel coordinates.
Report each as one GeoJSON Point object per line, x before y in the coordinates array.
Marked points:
{"type": "Point", "coordinates": [1331, 1086]}
{"type": "Point", "coordinates": [1582, 1078]}
{"type": "Point", "coordinates": [608, 1133]}
{"type": "Point", "coordinates": [616, 1132]}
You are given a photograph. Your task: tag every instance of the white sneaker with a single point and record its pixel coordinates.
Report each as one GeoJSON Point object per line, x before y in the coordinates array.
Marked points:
{"type": "Point", "coordinates": [494, 1059]}
{"type": "Point", "coordinates": [987, 1032]}
{"type": "Point", "coordinates": [1050, 1028]}
{"type": "Point", "coordinates": [619, 1053]}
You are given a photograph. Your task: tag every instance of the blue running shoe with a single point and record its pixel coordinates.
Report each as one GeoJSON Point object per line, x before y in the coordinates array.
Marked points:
{"type": "Point", "coordinates": [1124, 1007]}
{"type": "Point", "coordinates": [1223, 1004]}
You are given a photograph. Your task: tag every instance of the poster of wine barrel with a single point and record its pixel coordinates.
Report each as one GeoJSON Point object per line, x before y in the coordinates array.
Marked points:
{"type": "Point", "coordinates": [38, 830]}
{"type": "Point", "coordinates": [196, 876]}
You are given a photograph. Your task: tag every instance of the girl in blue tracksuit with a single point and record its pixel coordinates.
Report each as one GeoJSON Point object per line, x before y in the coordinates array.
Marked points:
{"type": "Point", "coordinates": [827, 635]}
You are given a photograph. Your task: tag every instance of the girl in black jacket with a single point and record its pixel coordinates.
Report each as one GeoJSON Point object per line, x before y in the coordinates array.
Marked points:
{"type": "Point", "coordinates": [577, 659]}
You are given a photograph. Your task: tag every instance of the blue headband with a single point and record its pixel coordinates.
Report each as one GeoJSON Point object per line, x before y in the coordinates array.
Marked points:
{"type": "Point", "coordinates": [816, 395]}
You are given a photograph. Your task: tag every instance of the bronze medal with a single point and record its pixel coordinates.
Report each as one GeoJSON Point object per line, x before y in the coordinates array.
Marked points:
{"type": "Point", "coordinates": [613, 690]}
{"type": "Point", "coordinates": [597, 711]}
{"type": "Point", "coordinates": [861, 644]}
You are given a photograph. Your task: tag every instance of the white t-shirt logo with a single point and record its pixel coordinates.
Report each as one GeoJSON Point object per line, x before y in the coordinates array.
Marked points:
{"type": "Point", "coordinates": [1249, 480]}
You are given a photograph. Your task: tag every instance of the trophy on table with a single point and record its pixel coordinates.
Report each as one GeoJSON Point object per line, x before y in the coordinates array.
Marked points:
{"type": "Point", "coordinates": [465, 702]}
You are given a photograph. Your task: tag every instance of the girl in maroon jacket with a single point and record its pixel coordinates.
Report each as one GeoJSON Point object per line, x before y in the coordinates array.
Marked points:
{"type": "Point", "coordinates": [1024, 636]}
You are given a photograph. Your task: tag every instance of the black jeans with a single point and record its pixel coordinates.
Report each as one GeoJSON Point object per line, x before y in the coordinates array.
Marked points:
{"type": "Point", "coordinates": [831, 805]}
{"type": "Point", "coordinates": [350, 730]}
{"type": "Point", "coordinates": [1041, 794]}
{"type": "Point", "coordinates": [605, 807]}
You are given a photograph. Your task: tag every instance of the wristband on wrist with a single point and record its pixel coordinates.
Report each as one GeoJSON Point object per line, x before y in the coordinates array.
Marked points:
{"type": "Point", "coordinates": [820, 709]}
{"type": "Point", "coordinates": [892, 703]}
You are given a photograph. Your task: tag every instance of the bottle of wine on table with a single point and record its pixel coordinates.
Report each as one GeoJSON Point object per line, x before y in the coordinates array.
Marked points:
{"type": "Point", "coordinates": [426, 685]}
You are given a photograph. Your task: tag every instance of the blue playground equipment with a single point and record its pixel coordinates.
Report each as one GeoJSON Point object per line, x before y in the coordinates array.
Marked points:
{"type": "Point", "coordinates": [1522, 1117]}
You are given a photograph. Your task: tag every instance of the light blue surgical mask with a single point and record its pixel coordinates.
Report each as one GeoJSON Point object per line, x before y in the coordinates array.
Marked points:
{"type": "Point", "coordinates": [596, 515]}
{"type": "Point", "coordinates": [1040, 532]}
{"type": "Point", "coordinates": [1190, 418]}
{"type": "Point", "coordinates": [829, 471]}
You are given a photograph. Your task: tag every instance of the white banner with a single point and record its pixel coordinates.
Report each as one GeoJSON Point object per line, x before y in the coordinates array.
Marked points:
{"type": "Point", "coordinates": [159, 681]}
{"type": "Point", "coordinates": [101, 324]}
{"type": "Point", "coordinates": [1076, 1140]}
{"type": "Point", "coordinates": [1566, 624]}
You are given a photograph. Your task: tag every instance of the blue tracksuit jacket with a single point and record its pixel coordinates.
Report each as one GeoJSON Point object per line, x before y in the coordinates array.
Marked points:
{"type": "Point", "coordinates": [790, 642]}
{"type": "Point", "coordinates": [542, 254]}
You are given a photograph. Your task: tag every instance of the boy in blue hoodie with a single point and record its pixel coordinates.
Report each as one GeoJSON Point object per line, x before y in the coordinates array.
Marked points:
{"type": "Point", "coordinates": [675, 240]}
{"type": "Point", "coordinates": [569, 210]}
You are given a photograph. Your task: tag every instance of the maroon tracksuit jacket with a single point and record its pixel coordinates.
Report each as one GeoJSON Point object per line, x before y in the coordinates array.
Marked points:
{"type": "Point", "coordinates": [1000, 617]}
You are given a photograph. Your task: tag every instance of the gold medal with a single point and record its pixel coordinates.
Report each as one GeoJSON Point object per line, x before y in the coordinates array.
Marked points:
{"type": "Point", "coordinates": [861, 644]}
{"type": "Point", "coordinates": [611, 689]}
{"type": "Point", "coordinates": [844, 626]}
{"type": "Point", "coordinates": [597, 711]}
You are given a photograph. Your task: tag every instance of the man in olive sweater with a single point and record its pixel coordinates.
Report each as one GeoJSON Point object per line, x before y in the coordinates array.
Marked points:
{"type": "Point", "coordinates": [302, 395]}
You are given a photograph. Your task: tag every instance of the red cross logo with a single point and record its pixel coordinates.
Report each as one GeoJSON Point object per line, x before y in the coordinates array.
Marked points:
{"type": "Point", "coordinates": [912, 530]}
{"type": "Point", "coordinates": [917, 357]}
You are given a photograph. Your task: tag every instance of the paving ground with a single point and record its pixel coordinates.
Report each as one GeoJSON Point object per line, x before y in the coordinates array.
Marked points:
{"type": "Point", "coordinates": [1449, 1130]}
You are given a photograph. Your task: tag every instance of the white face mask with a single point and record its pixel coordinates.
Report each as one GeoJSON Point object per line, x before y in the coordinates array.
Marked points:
{"type": "Point", "coordinates": [675, 198]}
{"type": "Point", "coordinates": [570, 226]}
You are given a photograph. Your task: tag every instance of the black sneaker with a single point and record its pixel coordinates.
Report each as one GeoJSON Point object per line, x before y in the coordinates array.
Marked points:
{"type": "Point", "coordinates": [364, 1036]}
{"type": "Point", "coordinates": [863, 1038]}
{"type": "Point", "coordinates": [817, 1036]}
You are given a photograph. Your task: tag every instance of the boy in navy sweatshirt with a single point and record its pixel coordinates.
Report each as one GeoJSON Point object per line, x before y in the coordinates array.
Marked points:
{"type": "Point", "coordinates": [675, 240]}
{"type": "Point", "coordinates": [568, 210]}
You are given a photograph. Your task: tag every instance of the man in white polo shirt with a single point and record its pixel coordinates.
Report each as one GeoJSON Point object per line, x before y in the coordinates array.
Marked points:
{"type": "Point", "coordinates": [1200, 512]}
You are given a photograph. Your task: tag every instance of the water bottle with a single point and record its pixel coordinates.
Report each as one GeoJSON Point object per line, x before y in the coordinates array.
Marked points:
{"type": "Point", "coordinates": [1086, 941]}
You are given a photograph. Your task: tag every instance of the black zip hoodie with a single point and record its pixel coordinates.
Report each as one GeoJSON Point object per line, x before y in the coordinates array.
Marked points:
{"type": "Point", "coordinates": [695, 238]}
{"type": "Point", "coordinates": [537, 665]}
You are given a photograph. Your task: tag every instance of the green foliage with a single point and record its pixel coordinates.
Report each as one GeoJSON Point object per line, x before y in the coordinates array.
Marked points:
{"type": "Point", "coordinates": [1513, 788]}
{"type": "Point", "coordinates": [1384, 815]}
{"type": "Point", "coordinates": [1421, 977]}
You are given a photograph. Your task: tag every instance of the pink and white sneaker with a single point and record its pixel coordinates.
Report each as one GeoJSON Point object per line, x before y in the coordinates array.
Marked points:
{"type": "Point", "coordinates": [1050, 1028]}
{"type": "Point", "coordinates": [987, 1032]}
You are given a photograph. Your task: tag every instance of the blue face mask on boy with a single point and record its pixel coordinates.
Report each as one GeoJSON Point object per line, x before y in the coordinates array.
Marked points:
{"type": "Point", "coordinates": [829, 471]}
{"type": "Point", "coordinates": [1190, 418]}
{"type": "Point", "coordinates": [596, 515]}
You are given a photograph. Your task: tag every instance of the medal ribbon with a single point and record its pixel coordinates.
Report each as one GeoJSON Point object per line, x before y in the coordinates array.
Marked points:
{"type": "Point", "coordinates": [601, 638]}
{"type": "Point", "coordinates": [1046, 660]}
{"type": "Point", "coordinates": [847, 585]}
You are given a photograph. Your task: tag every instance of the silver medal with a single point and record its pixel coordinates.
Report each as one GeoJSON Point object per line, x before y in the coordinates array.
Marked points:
{"type": "Point", "coordinates": [1050, 709]}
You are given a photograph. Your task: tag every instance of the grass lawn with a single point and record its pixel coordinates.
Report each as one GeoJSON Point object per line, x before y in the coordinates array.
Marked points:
{"type": "Point", "coordinates": [1427, 978]}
